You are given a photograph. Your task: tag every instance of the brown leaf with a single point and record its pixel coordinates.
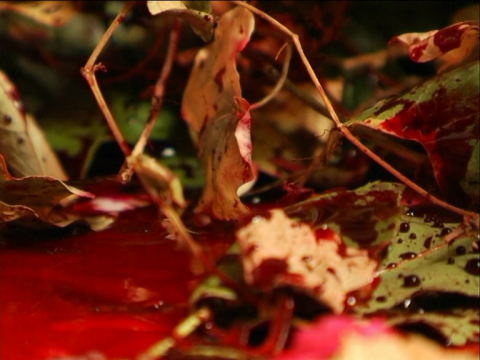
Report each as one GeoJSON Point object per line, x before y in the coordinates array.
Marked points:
{"type": "Point", "coordinates": [22, 142]}
{"type": "Point", "coordinates": [34, 198]}
{"type": "Point", "coordinates": [279, 251]}
{"type": "Point", "coordinates": [50, 13]}
{"type": "Point", "coordinates": [219, 117]}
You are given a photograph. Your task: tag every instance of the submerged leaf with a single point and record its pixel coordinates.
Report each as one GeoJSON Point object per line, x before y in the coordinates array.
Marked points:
{"type": "Point", "coordinates": [195, 12]}
{"type": "Point", "coordinates": [278, 251]}
{"type": "Point", "coordinates": [219, 117]}
{"type": "Point", "coordinates": [22, 143]}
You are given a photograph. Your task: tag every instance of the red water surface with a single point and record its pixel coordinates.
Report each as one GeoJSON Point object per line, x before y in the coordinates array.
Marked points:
{"type": "Point", "coordinates": [116, 291]}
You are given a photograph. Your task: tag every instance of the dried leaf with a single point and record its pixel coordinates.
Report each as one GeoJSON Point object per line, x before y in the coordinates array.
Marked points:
{"type": "Point", "coordinates": [34, 198]}
{"type": "Point", "coordinates": [197, 13]}
{"type": "Point", "coordinates": [160, 182]}
{"type": "Point", "coordinates": [452, 44]}
{"type": "Point", "coordinates": [50, 13]}
{"type": "Point", "coordinates": [278, 251]}
{"type": "Point", "coordinates": [219, 117]}
{"type": "Point", "coordinates": [22, 143]}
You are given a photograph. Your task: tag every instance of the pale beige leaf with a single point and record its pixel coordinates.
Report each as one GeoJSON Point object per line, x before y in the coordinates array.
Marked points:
{"type": "Point", "coordinates": [279, 251]}
{"type": "Point", "coordinates": [219, 117]}
{"type": "Point", "coordinates": [22, 142]}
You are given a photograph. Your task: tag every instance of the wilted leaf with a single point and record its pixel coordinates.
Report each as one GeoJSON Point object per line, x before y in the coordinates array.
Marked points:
{"type": "Point", "coordinates": [35, 197]}
{"type": "Point", "coordinates": [50, 13]}
{"type": "Point", "coordinates": [219, 117]}
{"type": "Point", "coordinates": [442, 115]}
{"type": "Point", "coordinates": [367, 216]}
{"type": "Point", "coordinates": [197, 13]}
{"type": "Point", "coordinates": [452, 44]}
{"type": "Point", "coordinates": [160, 182]}
{"type": "Point", "coordinates": [22, 143]}
{"type": "Point", "coordinates": [278, 251]}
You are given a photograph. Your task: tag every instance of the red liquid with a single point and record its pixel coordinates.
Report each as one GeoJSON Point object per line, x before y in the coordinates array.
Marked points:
{"type": "Point", "coordinates": [116, 292]}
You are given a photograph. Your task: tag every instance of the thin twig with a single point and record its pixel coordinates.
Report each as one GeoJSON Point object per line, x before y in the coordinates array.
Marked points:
{"type": "Point", "coordinates": [341, 127]}
{"type": "Point", "coordinates": [88, 72]}
{"type": "Point", "coordinates": [158, 95]}
{"type": "Point", "coordinates": [280, 83]}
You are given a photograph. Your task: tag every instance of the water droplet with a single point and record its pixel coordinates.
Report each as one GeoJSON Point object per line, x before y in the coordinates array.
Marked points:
{"type": "Point", "coordinates": [392, 266]}
{"type": "Point", "coordinates": [428, 242]}
{"type": "Point", "coordinates": [411, 281]}
{"type": "Point", "coordinates": [460, 250]}
{"type": "Point", "coordinates": [412, 236]}
{"type": "Point", "coordinates": [445, 231]}
{"type": "Point", "coordinates": [351, 300]}
{"type": "Point", "coordinates": [406, 303]}
{"type": "Point", "coordinates": [399, 241]}
{"type": "Point", "coordinates": [473, 267]}
{"type": "Point", "coordinates": [381, 298]}
{"type": "Point", "coordinates": [408, 256]}
{"type": "Point", "coordinates": [451, 260]}
{"type": "Point", "coordinates": [404, 227]}
{"type": "Point", "coordinates": [257, 219]}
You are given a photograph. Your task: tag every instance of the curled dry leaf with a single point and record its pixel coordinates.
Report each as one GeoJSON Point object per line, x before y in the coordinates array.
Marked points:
{"type": "Point", "coordinates": [49, 13]}
{"type": "Point", "coordinates": [452, 44]}
{"type": "Point", "coordinates": [42, 198]}
{"type": "Point", "coordinates": [159, 181]}
{"type": "Point", "coordinates": [219, 117]}
{"type": "Point", "coordinates": [278, 251]}
{"type": "Point", "coordinates": [22, 143]}
{"type": "Point", "coordinates": [197, 13]}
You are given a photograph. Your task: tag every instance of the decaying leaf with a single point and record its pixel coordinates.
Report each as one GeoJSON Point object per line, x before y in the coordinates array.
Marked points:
{"type": "Point", "coordinates": [442, 115]}
{"type": "Point", "coordinates": [452, 44]}
{"type": "Point", "coordinates": [50, 13]}
{"type": "Point", "coordinates": [278, 251]}
{"type": "Point", "coordinates": [159, 181]}
{"type": "Point", "coordinates": [22, 143]}
{"type": "Point", "coordinates": [197, 13]}
{"type": "Point", "coordinates": [219, 117]}
{"type": "Point", "coordinates": [344, 338]}
{"type": "Point", "coordinates": [41, 198]}
{"type": "Point", "coordinates": [366, 217]}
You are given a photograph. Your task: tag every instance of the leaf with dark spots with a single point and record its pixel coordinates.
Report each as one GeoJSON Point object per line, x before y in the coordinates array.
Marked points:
{"type": "Point", "coordinates": [425, 262]}
{"type": "Point", "coordinates": [366, 217]}
{"type": "Point", "coordinates": [219, 117]}
{"type": "Point", "coordinates": [442, 115]}
{"type": "Point", "coordinates": [452, 44]}
{"type": "Point", "coordinates": [34, 198]}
